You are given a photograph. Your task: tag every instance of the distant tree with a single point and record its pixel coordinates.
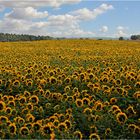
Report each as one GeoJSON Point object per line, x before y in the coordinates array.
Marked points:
{"type": "Point", "coordinates": [135, 37]}
{"type": "Point", "coordinates": [5, 37]}
{"type": "Point", "coordinates": [121, 38]}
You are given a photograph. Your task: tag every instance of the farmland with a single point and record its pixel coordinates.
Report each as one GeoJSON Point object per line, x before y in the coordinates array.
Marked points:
{"type": "Point", "coordinates": [76, 89]}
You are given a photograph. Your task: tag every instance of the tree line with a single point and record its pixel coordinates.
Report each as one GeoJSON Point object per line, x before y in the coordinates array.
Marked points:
{"type": "Point", "coordinates": [6, 37]}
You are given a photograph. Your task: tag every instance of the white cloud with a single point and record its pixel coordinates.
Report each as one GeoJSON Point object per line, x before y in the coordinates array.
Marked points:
{"type": "Point", "coordinates": [121, 31]}
{"type": "Point", "coordinates": [104, 29]}
{"type": "Point", "coordinates": [36, 3]}
{"type": "Point", "coordinates": [21, 19]}
{"type": "Point", "coordinates": [86, 14]}
{"type": "Point", "coordinates": [26, 13]}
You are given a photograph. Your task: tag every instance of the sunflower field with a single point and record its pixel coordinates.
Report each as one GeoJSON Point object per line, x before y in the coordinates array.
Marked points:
{"type": "Point", "coordinates": [70, 89]}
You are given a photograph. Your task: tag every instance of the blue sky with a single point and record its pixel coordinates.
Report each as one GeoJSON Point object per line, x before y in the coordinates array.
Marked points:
{"type": "Point", "coordinates": [70, 18]}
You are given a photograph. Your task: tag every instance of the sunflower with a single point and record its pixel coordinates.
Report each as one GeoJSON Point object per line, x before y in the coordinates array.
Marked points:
{"type": "Point", "coordinates": [62, 127]}
{"type": "Point", "coordinates": [93, 129]}
{"type": "Point", "coordinates": [24, 131]}
{"type": "Point", "coordinates": [2, 106]}
{"type": "Point", "coordinates": [8, 110]}
{"type": "Point", "coordinates": [11, 98]}
{"type": "Point", "coordinates": [78, 135]}
{"type": "Point", "coordinates": [36, 126]}
{"type": "Point", "coordinates": [30, 106]}
{"type": "Point", "coordinates": [22, 100]}
{"type": "Point", "coordinates": [27, 94]}
{"type": "Point", "coordinates": [131, 128]}
{"type": "Point", "coordinates": [46, 130]}
{"type": "Point", "coordinates": [16, 83]}
{"type": "Point", "coordinates": [118, 82]}
{"type": "Point", "coordinates": [79, 102]}
{"type": "Point", "coordinates": [121, 118]}
{"type": "Point", "coordinates": [64, 96]}
{"type": "Point", "coordinates": [94, 136]}
{"type": "Point", "coordinates": [86, 101]}
{"type": "Point", "coordinates": [67, 89]}
{"type": "Point", "coordinates": [29, 126]}
{"type": "Point", "coordinates": [69, 110]}
{"type": "Point", "coordinates": [29, 83]}
{"type": "Point", "coordinates": [48, 106]}
{"type": "Point", "coordinates": [25, 111]}
{"type": "Point", "coordinates": [137, 130]}
{"type": "Point", "coordinates": [67, 80]}
{"type": "Point", "coordinates": [70, 99]}
{"type": "Point", "coordinates": [12, 128]}
{"type": "Point", "coordinates": [114, 107]}
{"type": "Point", "coordinates": [52, 118]}
{"type": "Point", "coordinates": [106, 103]}
{"type": "Point", "coordinates": [55, 123]}
{"type": "Point", "coordinates": [113, 100]}
{"type": "Point", "coordinates": [2, 134]}
{"type": "Point", "coordinates": [136, 95]}
{"type": "Point", "coordinates": [30, 118]}
{"type": "Point", "coordinates": [47, 94]}
{"type": "Point", "coordinates": [34, 99]}
{"type": "Point", "coordinates": [3, 119]}
{"type": "Point", "coordinates": [61, 118]}
{"type": "Point", "coordinates": [68, 124]}
{"type": "Point", "coordinates": [14, 112]}
{"type": "Point", "coordinates": [107, 131]}
{"type": "Point", "coordinates": [53, 80]}
{"type": "Point", "coordinates": [56, 108]}
{"type": "Point", "coordinates": [87, 111]}
{"type": "Point", "coordinates": [11, 103]}
{"type": "Point", "coordinates": [20, 121]}
{"type": "Point", "coordinates": [115, 112]}
{"type": "Point", "coordinates": [98, 106]}
{"type": "Point", "coordinates": [130, 111]}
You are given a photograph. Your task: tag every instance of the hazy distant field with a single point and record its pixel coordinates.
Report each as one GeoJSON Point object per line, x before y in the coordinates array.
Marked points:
{"type": "Point", "coordinates": [70, 89]}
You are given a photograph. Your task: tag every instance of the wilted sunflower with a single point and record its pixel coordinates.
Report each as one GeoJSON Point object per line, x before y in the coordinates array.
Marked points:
{"type": "Point", "coordinates": [121, 118]}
